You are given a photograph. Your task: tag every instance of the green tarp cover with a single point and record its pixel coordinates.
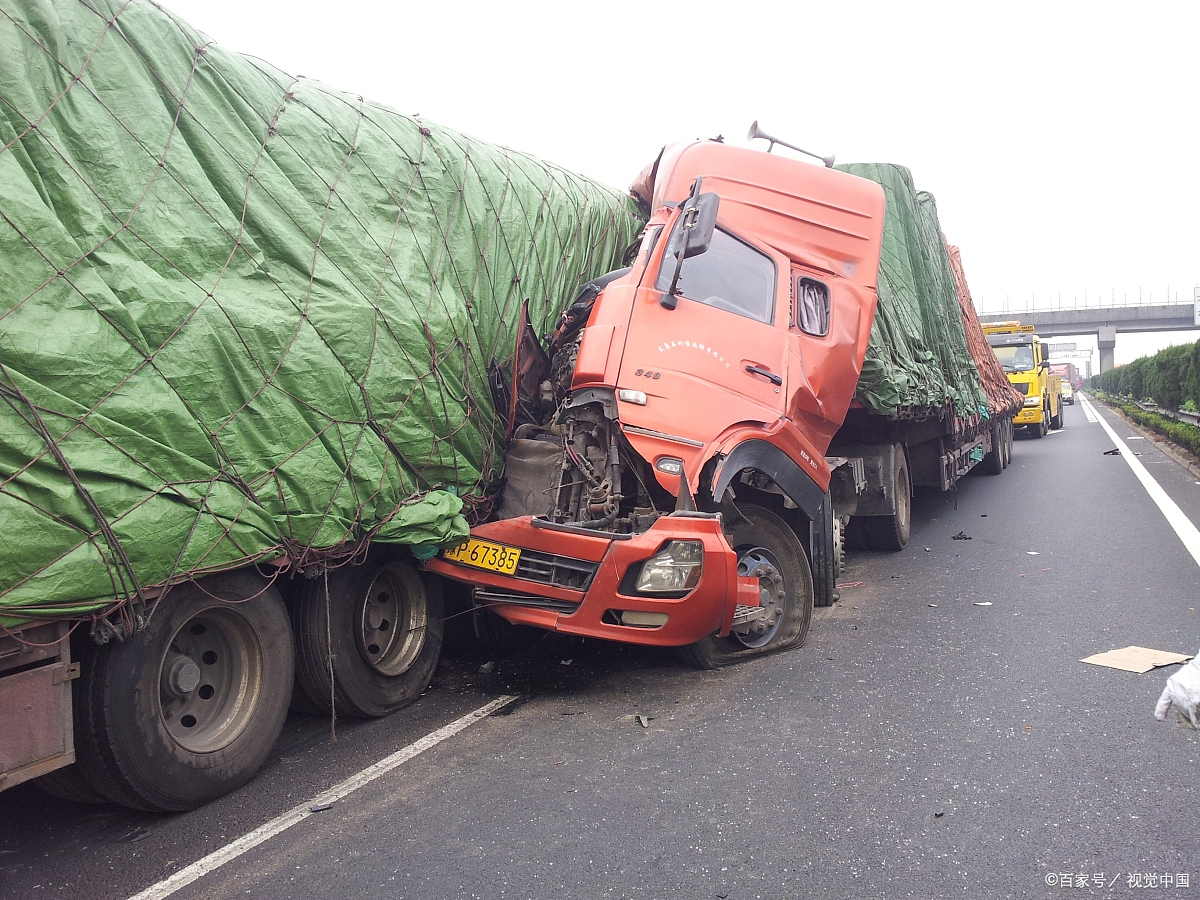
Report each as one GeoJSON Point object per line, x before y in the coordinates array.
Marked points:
{"type": "Point", "coordinates": [243, 315]}
{"type": "Point", "coordinates": [917, 362]}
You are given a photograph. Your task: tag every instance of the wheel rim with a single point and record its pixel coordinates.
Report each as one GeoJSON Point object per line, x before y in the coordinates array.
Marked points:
{"type": "Point", "coordinates": [210, 680]}
{"type": "Point", "coordinates": [772, 593]}
{"type": "Point", "coordinates": [391, 624]}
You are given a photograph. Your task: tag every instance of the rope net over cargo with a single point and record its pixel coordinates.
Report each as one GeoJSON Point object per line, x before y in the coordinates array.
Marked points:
{"type": "Point", "coordinates": [243, 316]}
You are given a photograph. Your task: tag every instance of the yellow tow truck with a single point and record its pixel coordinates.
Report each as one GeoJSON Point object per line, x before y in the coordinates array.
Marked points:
{"type": "Point", "coordinates": [1026, 362]}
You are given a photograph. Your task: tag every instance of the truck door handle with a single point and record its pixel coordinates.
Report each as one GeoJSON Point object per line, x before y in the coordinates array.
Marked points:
{"type": "Point", "coordinates": [770, 376]}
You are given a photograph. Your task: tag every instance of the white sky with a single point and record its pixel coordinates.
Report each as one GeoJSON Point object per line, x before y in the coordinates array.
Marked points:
{"type": "Point", "coordinates": [1060, 138]}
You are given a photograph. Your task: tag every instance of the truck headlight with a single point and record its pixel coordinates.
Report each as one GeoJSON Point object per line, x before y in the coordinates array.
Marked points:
{"type": "Point", "coordinates": [1031, 402]}
{"type": "Point", "coordinates": [677, 567]}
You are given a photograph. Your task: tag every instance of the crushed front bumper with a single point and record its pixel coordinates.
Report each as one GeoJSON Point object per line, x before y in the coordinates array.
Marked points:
{"type": "Point", "coordinates": [579, 581]}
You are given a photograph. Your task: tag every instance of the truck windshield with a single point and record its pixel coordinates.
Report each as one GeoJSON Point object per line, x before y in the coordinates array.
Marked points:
{"type": "Point", "coordinates": [731, 275]}
{"type": "Point", "coordinates": [1015, 357]}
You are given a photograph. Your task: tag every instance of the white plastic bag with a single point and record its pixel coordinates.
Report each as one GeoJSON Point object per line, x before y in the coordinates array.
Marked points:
{"type": "Point", "coordinates": [1182, 690]}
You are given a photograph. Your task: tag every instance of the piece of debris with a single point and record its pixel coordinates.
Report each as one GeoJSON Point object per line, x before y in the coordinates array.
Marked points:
{"type": "Point", "coordinates": [983, 602]}
{"type": "Point", "coordinates": [1135, 659]}
{"type": "Point", "coordinates": [851, 584]}
{"type": "Point", "coordinates": [1033, 552]}
{"type": "Point", "coordinates": [132, 837]}
{"type": "Point", "coordinates": [938, 815]}
{"type": "Point", "coordinates": [933, 606]}
{"type": "Point", "coordinates": [1048, 569]}
{"type": "Point", "coordinates": [1135, 438]}
{"type": "Point", "coordinates": [928, 550]}
{"type": "Point", "coordinates": [1115, 451]}
{"type": "Point", "coordinates": [1182, 690]}
{"type": "Point", "coordinates": [644, 721]}
{"type": "Point", "coordinates": [565, 662]}
{"type": "Point", "coordinates": [961, 536]}
{"type": "Point", "coordinates": [984, 515]}
{"type": "Point", "coordinates": [320, 807]}
{"type": "Point", "coordinates": [487, 668]}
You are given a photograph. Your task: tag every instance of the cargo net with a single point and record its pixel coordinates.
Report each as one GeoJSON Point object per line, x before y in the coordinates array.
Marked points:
{"type": "Point", "coordinates": [1003, 398]}
{"type": "Point", "coordinates": [246, 317]}
{"type": "Point", "coordinates": [917, 364]}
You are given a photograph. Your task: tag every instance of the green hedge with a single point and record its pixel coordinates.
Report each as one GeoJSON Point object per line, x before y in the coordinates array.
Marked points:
{"type": "Point", "coordinates": [1171, 378]}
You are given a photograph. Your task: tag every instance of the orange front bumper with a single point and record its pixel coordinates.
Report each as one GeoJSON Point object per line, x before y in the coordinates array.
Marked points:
{"type": "Point", "coordinates": [578, 581]}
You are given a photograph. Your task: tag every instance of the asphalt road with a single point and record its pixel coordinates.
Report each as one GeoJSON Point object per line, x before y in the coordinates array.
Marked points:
{"type": "Point", "coordinates": [918, 745]}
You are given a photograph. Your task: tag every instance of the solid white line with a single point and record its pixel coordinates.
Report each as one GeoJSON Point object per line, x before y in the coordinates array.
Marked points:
{"type": "Point", "coordinates": [1088, 410]}
{"type": "Point", "coordinates": [1175, 518]}
{"type": "Point", "coordinates": [297, 814]}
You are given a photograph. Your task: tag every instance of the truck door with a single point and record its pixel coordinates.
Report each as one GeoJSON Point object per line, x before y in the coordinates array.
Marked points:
{"type": "Point", "coordinates": [718, 357]}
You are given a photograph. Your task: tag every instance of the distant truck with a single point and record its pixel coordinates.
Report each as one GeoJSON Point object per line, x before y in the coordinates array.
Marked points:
{"type": "Point", "coordinates": [1026, 361]}
{"type": "Point", "coordinates": [1071, 380]}
{"type": "Point", "coordinates": [697, 451]}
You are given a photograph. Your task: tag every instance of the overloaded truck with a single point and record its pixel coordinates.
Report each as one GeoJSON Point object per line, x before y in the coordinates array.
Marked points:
{"type": "Point", "coordinates": [267, 355]}
{"type": "Point", "coordinates": [1026, 361]}
{"type": "Point", "coordinates": [246, 327]}
{"type": "Point", "coordinates": [709, 423]}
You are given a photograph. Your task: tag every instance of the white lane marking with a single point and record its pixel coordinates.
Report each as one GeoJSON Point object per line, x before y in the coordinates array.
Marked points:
{"type": "Point", "coordinates": [1175, 518]}
{"type": "Point", "coordinates": [297, 814]}
{"type": "Point", "coordinates": [1088, 410]}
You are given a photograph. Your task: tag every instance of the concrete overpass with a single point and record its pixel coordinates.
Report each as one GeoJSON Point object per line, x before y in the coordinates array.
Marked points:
{"type": "Point", "coordinates": [1106, 323]}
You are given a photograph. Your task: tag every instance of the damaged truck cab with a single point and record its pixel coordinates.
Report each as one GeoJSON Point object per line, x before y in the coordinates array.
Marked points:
{"type": "Point", "coordinates": [666, 480]}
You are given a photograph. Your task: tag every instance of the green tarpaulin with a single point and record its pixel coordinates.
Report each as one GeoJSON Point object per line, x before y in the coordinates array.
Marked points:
{"type": "Point", "coordinates": [243, 315]}
{"type": "Point", "coordinates": [917, 361]}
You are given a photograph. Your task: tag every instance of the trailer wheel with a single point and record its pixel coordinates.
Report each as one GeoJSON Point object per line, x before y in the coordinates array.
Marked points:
{"type": "Point", "coordinates": [768, 549]}
{"type": "Point", "coordinates": [993, 463]}
{"type": "Point", "coordinates": [188, 708]}
{"type": "Point", "coordinates": [1056, 421]}
{"type": "Point", "coordinates": [1008, 442]}
{"type": "Point", "coordinates": [381, 626]}
{"type": "Point", "coordinates": [892, 532]}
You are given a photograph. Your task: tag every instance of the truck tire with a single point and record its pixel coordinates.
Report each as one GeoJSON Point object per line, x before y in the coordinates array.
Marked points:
{"type": "Point", "coordinates": [765, 544]}
{"type": "Point", "coordinates": [1038, 430]}
{"type": "Point", "coordinates": [69, 784]}
{"type": "Point", "coordinates": [188, 708]}
{"type": "Point", "coordinates": [825, 556]}
{"type": "Point", "coordinates": [1056, 421]}
{"type": "Point", "coordinates": [892, 532]}
{"type": "Point", "coordinates": [1009, 442]}
{"type": "Point", "coordinates": [993, 462]}
{"type": "Point", "coordinates": [385, 625]}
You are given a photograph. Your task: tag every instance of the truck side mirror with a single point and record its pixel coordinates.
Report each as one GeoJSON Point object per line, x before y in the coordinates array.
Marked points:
{"type": "Point", "coordinates": [699, 234]}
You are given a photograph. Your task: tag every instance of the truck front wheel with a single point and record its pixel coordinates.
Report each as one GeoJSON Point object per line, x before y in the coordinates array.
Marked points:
{"type": "Point", "coordinates": [377, 633]}
{"type": "Point", "coordinates": [767, 549]}
{"type": "Point", "coordinates": [188, 708]}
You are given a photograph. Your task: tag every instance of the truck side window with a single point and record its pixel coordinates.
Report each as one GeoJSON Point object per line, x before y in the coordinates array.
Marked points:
{"type": "Point", "coordinates": [812, 306]}
{"type": "Point", "coordinates": [731, 275]}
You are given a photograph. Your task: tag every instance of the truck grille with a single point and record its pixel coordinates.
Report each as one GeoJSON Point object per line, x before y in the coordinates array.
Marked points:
{"type": "Point", "coordinates": [560, 571]}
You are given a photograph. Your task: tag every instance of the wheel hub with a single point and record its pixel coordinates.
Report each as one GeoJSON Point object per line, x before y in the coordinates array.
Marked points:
{"type": "Point", "coordinates": [181, 675]}
{"type": "Point", "coordinates": [758, 562]}
{"type": "Point", "coordinates": [391, 628]}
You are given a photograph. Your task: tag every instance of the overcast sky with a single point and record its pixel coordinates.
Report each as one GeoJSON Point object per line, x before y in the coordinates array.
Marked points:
{"type": "Point", "coordinates": [1060, 139]}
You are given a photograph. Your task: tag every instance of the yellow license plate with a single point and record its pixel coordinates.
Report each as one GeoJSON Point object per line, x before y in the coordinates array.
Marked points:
{"type": "Point", "coordinates": [485, 555]}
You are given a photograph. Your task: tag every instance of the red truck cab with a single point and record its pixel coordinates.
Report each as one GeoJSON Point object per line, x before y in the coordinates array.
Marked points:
{"type": "Point", "coordinates": [676, 491]}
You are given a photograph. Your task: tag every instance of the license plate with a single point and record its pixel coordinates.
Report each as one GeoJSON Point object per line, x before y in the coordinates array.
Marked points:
{"type": "Point", "coordinates": [485, 555]}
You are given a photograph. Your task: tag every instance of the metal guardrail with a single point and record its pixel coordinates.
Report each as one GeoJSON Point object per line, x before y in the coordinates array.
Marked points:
{"type": "Point", "coordinates": [1179, 414]}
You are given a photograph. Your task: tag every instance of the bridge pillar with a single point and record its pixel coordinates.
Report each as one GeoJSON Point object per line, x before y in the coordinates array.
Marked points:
{"type": "Point", "coordinates": [1106, 338]}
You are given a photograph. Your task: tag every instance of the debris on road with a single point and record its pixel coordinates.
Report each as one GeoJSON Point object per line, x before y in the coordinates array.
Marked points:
{"type": "Point", "coordinates": [1136, 659]}
{"type": "Point", "coordinates": [320, 807]}
{"type": "Point", "coordinates": [983, 603]}
{"type": "Point", "coordinates": [644, 721]}
{"type": "Point", "coordinates": [1115, 451]}
{"type": "Point", "coordinates": [961, 536]}
{"type": "Point", "coordinates": [1182, 690]}
{"type": "Point", "coordinates": [852, 584]}
{"type": "Point", "coordinates": [1033, 552]}
{"type": "Point", "coordinates": [487, 668]}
